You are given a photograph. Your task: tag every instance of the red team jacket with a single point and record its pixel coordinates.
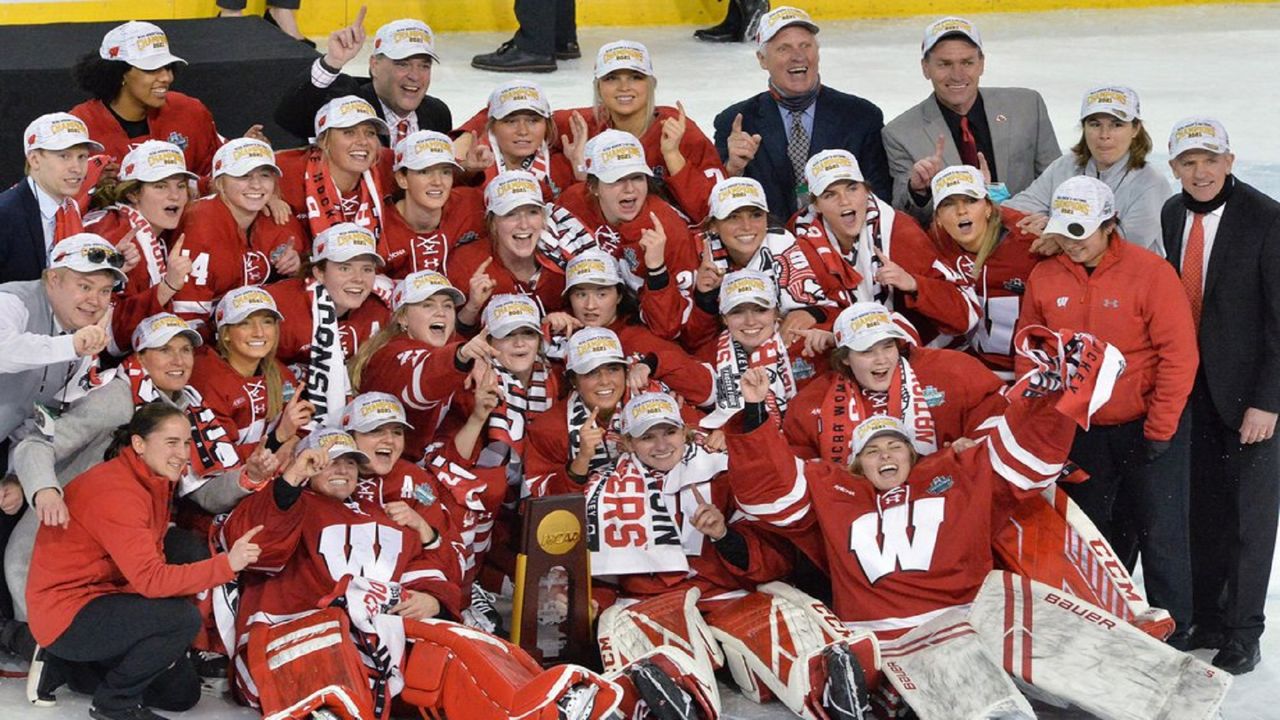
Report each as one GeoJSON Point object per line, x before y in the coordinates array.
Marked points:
{"type": "Point", "coordinates": [548, 291]}
{"type": "Point", "coordinates": [423, 377]}
{"type": "Point", "coordinates": [241, 400]}
{"type": "Point", "coordinates": [292, 186]}
{"type": "Point", "coordinates": [182, 120]}
{"type": "Point", "coordinates": [293, 298]}
{"type": "Point", "coordinates": [406, 251]}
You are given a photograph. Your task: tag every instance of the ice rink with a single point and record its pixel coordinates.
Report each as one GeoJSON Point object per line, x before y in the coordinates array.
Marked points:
{"type": "Point", "coordinates": [1218, 60]}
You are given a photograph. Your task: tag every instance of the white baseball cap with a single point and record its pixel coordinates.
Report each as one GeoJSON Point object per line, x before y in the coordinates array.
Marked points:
{"type": "Point", "coordinates": [592, 267]}
{"type": "Point", "coordinates": [369, 411]}
{"type": "Point", "coordinates": [237, 305]}
{"type": "Point", "coordinates": [589, 348]}
{"type": "Point", "coordinates": [420, 285]}
{"type": "Point", "coordinates": [747, 286]}
{"type": "Point", "coordinates": [334, 442]}
{"type": "Point", "coordinates": [348, 111]}
{"type": "Point", "coordinates": [1117, 101]}
{"type": "Point", "coordinates": [404, 38]}
{"type": "Point", "coordinates": [649, 409]}
{"type": "Point", "coordinates": [424, 149]}
{"type": "Point", "coordinates": [772, 22]}
{"type": "Point", "coordinates": [1080, 204]}
{"type": "Point", "coordinates": [344, 241]}
{"type": "Point", "coordinates": [946, 27]}
{"type": "Point", "coordinates": [875, 426]}
{"type": "Point", "coordinates": [831, 166]}
{"type": "Point", "coordinates": [863, 324]}
{"type": "Point", "coordinates": [154, 160]}
{"type": "Point", "coordinates": [141, 44]}
{"type": "Point", "coordinates": [1198, 133]}
{"type": "Point", "coordinates": [515, 95]}
{"type": "Point", "coordinates": [57, 131]}
{"type": "Point", "coordinates": [159, 329]}
{"type": "Point", "coordinates": [507, 313]}
{"type": "Point", "coordinates": [88, 253]}
{"type": "Point", "coordinates": [736, 192]}
{"type": "Point", "coordinates": [964, 180]}
{"type": "Point", "coordinates": [615, 154]}
{"type": "Point", "coordinates": [510, 190]}
{"type": "Point", "coordinates": [623, 55]}
{"type": "Point", "coordinates": [241, 156]}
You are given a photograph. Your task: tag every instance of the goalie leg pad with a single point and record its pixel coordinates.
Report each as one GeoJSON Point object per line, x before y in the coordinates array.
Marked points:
{"type": "Point", "coordinates": [665, 683]}
{"type": "Point", "coordinates": [628, 632]}
{"type": "Point", "coordinates": [1078, 652]}
{"type": "Point", "coordinates": [307, 664]}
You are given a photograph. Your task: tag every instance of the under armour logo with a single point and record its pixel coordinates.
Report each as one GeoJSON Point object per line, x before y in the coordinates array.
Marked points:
{"type": "Point", "coordinates": [1110, 303]}
{"type": "Point", "coordinates": [1062, 301]}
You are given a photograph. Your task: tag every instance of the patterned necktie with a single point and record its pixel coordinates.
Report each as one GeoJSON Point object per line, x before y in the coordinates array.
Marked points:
{"type": "Point", "coordinates": [402, 131]}
{"type": "Point", "coordinates": [798, 150]}
{"type": "Point", "coordinates": [1193, 266]}
{"type": "Point", "coordinates": [968, 144]}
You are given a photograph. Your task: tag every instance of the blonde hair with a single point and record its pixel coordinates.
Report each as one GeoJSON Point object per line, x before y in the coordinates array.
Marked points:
{"type": "Point", "coordinates": [269, 368]}
{"type": "Point", "coordinates": [357, 364]}
{"type": "Point", "coordinates": [602, 113]}
{"type": "Point", "coordinates": [990, 238]}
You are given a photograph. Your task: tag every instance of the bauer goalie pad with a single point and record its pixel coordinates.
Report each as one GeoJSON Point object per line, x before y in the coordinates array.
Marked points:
{"type": "Point", "coordinates": [1078, 653]}
{"type": "Point", "coordinates": [773, 642]}
{"type": "Point", "coordinates": [458, 672]}
{"type": "Point", "coordinates": [308, 664]}
{"type": "Point", "coordinates": [1051, 540]}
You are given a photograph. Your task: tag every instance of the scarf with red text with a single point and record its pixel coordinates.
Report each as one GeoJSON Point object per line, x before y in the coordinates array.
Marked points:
{"type": "Point", "coordinates": [327, 207]}
{"type": "Point", "coordinates": [845, 406]}
{"type": "Point", "coordinates": [732, 360]}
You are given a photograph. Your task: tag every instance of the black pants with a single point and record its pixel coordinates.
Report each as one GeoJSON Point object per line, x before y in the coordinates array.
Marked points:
{"type": "Point", "coordinates": [1157, 508]}
{"type": "Point", "coordinates": [240, 4]}
{"type": "Point", "coordinates": [1235, 493]}
{"type": "Point", "coordinates": [545, 25]}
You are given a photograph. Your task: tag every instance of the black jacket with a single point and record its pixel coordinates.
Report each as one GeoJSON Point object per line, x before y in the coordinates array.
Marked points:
{"type": "Point", "coordinates": [22, 251]}
{"type": "Point", "coordinates": [300, 103]}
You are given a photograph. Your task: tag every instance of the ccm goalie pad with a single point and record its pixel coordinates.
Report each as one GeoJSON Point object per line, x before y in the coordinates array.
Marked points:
{"type": "Point", "coordinates": [782, 642]}
{"type": "Point", "coordinates": [1067, 651]}
{"type": "Point", "coordinates": [1051, 540]}
{"type": "Point", "coordinates": [457, 672]}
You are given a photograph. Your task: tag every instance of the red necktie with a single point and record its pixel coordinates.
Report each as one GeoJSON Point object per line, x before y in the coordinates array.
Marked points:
{"type": "Point", "coordinates": [66, 221]}
{"type": "Point", "coordinates": [402, 130]}
{"type": "Point", "coordinates": [968, 144]}
{"type": "Point", "coordinates": [1193, 266]}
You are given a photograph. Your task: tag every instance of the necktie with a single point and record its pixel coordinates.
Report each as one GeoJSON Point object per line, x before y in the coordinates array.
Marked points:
{"type": "Point", "coordinates": [402, 130]}
{"type": "Point", "coordinates": [968, 144]}
{"type": "Point", "coordinates": [66, 221]}
{"type": "Point", "coordinates": [798, 151]}
{"type": "Point", "coordinates": [1193, 266]}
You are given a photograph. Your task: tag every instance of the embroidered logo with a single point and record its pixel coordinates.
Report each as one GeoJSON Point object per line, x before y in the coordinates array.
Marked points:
{"type": "Point", "coordinates": [802, 369]}
{"type": "Point", "coordinates": [933, 397]}
{"type": "Point", "coordinates": [940, 484]}
{"type": "Point", "coordinates": [1112, 303]}
{"type": "Point", "coordinates": [1016, 286]}
{"type": "Point", "coordinates": [179, 139]}
{"type": "Point", "coordinates": [1062, 301]}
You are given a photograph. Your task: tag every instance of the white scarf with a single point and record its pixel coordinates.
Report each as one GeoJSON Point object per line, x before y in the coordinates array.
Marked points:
{"type": "Point", "coordinates": [606, 452]}
{"type": "Point", "coordinates": [537, 164]}
{"type": "Point", "coordinates": [779, 257]}
{"type": "Point", "coordinates": [326, 377]}
{"type": "Point", "coordinates": [732, 361]}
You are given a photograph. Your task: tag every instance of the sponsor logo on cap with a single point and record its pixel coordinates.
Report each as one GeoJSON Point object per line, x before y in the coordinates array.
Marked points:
{"type": "Point", "coordinates": [950, 25]}
{"type": "Point", "coordinates": [251, 297]}
{"type": "Point", "coordinates": [415, 35]}
{"type": "Point", "coordinates": [598, 345]}
{"type": "Point", "coordinates": [1070, 206]}
{"type": "Point", "coordinates": [517, 186]}
{"type": "Point", "coordinates": [164, 158]}
{"type": "Point", "coordinates": [953, 179]}
{"type": "Point", "coordinates": [154, 40]}
{"type": "Point", "coordinates": [623, 55]}
{"type": "Point", "coordinates": [379, 407]}
{"type": "Point", "coordinates": [432, 146]}
{"type": "Point", "coordinates": [1206, 134]}
{"type": "Point", "coordinates": [738, 191]}
{"type": "Point", "coordinates": [649, 408]}
{"type": "Point", "coordinates": [67, 125]}
{"type": "Point", "coordinates": [519, 94]}
{"type": "Point", "coordinates": [251, 151]}
{"type": "Point", "coordinates": [621, 153]}
{"type": "Point", "coordinates": [355, 107]}
{"type": "Point", "coordinates": [164, 322]}
{"type": "Point", "coordinates": [743, 285]}
{"type": "Point", "coordinates": [832, 163]}
{"type": "Point", "coordinates": [421, 280]}
{"type": "Point", "coordinates": [589, 266]}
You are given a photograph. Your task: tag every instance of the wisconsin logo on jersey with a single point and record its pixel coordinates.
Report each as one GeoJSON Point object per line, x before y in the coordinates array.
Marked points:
{"type": "Point", "coordinates": [881, 540]}
{"type": "Point", "coordinates": [369, 550]}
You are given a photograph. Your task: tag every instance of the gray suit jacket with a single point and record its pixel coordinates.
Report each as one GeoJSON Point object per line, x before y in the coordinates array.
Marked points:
{"type": "Point", "coordinates": [1021, 135]}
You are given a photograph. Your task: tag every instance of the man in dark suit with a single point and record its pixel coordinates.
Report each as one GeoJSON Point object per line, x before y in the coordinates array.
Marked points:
{"type": "Point", "coordinates": [1223, 236]}
{"type": "Point", "coordinates": [769, 137]}
{"type": "Point", "coordinates": [399, 75]}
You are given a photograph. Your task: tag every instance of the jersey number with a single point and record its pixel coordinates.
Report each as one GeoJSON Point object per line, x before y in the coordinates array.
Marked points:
{"type": "Point", "coordinates": [200, 269]}
{"type": "Point", "coordinates": [897, 551]}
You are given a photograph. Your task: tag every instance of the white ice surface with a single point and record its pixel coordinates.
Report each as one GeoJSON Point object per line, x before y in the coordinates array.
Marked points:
{"type": "Point", "coordinates": [1219, 60]}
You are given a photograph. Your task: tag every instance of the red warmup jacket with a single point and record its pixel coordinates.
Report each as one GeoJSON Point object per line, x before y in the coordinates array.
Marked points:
{"type": "Point", "coordinates": [182, 120]}
{"type": "Point", "coordinates": [224, 258]}
{"type": "Point", "coordinates": [406, 250]}
{"type": "Point", "coordinates": [292, 186]}
{"type": "Point", "coordinates": [240, 401]}
{"type": "Point", "coordinates": [548, 290]}
{"type": "Point", "coordinates": [113, 545]}
{"type": "Point", "coordinates": [293, 299]}
{"type": "Point", "coordinates": [686, 376]}
{"type": "Point", "coordinates": [113, 226]}
{"type": "Point", "coordinates": [423, 377]}
{"type": "Point", "coordinates": [959, 391]}
{"type": "Point", "coordinates": [1135, 301]}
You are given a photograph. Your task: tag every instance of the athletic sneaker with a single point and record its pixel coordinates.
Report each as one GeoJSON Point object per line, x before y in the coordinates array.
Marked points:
{"type": "Point", "coordinates": [43, 678]}
{"type": "Point", "coordinates": [664, 697]}
{"type": "Point", "coordinates": [577, 702]}
{"type": "Point", "coordinates": [136, 712]}
{"type": "Point", "coordinates": [482, 614]}
{"type": "Point", "coordinates": [845, 695]}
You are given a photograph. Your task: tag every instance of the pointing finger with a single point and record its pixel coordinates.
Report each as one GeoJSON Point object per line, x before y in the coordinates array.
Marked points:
{"type": "Point", "coordinates": [680, 107]}
{"type": "Point", "coordinates": [737, 123]}
{"type": "Point", "coordinates": [940, 146]}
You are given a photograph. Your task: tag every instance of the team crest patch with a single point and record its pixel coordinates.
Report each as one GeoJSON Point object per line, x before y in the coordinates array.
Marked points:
{"type": "Point", "coordinates": [1015, 285]}
{"type": "Point", "coordinates": [802, 369]}
{"type": "Point", "coordinates": [630, 257]}
{"type": "Point", "coordinates": [940, 484]}
{"type": "Point", "coordinates": [933, 397]}
{"type": "Point", "coordinates": [179, 139]}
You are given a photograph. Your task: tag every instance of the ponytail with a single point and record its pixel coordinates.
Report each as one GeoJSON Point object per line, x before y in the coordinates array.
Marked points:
{"type": "Point", "coordinates": [144, 422]}
{"type": "Point", "coordinates": [356, 365]}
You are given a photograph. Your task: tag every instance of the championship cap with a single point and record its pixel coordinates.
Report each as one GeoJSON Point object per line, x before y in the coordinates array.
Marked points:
{"type": "Point", "coordinates": [733, 193]}
{"type": "Point", "coordinates": [1117, 101]}
{"type": "Point", "coordinates": [863, 324]}
{"type": "Point", "coordinates": [515, 95]}
{"type": "Point", "coordinates": [424, 149]}
{"type": "Point", "coordinates": [623, 55]}
{"type": "Point", "coordinates": [400, 39]}
{"type": "Point", "coordinates": [592, 267]}
{"type": "Point", "coordinates": [348, 111]}
{"type": "Point", "coordinates": [747, 286]}
{"type": "Point", "coordinates": [420, 285]}
{"type": "Point", "coordinates": [649, 409]}
{"type": "Point", "coordinates": [87, 253]}
{"type": "Point", "coordinates": [614, 154]}
{"type": "Point", "coordinates": [241, 156]}
{"type": "Point", "coordinates": [1198, 133]}
{"type": "Point", "coordinates": [344, 241]}
{"type": "Point", "coordinates": [159, 329]}
{"type": "Point", "coordinates": [831, 166]}
{"type": "Point", "coordinates": [57, 131]}
{"type": "Point", "coordinates": [589, 348]}
{"type": "Point", "coordinates": [875, 426]}
{"type": "Point", "coordinates": [370, 411]}
{"type": "Point", "coordinates": [510, 190]}
{"type": "Point", "coordinates": [237, 305]}
{"type": "Point", "coordinates": [964, 180]}
{"type": "Point", "coordinates": [949, 27]}
{"type": "Point", "coordinates": [1080, 204]}
{"type": "Point", "coordinates": [334, 442]}
{"type": "Point", "coordinates": [772, 23]}
{"type": "Point", "coordinates": [141, 44]}
{"type": "Point", "coordinates": [154, 160]}
{"type": "Point", "coordinates": [507, 313]}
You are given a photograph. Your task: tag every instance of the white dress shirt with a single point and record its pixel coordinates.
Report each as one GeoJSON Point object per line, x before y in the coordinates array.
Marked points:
{"type": "Point", "coordinates": [48, 212]}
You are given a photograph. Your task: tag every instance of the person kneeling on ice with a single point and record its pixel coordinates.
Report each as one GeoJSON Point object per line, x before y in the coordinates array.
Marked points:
{"type": "Point", "coordinates": [930, 593]}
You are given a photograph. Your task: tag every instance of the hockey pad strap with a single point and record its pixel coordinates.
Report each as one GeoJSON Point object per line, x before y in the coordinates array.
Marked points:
{"type": "Point", "coordinates": [666, 672]}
